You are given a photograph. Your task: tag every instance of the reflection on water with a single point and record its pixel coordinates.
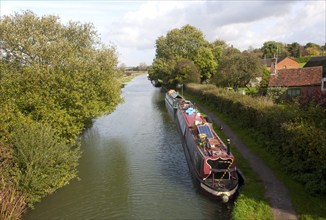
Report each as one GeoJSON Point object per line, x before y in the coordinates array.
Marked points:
{"type": "Point", "coordinates": [133, 167]}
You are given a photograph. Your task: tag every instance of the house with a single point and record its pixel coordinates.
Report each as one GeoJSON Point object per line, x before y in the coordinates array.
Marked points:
{"type": "Point", "coordinates": [319, 61]}
{"type": "Point", "coordinates": [298, 81]}
{"type": "Point", "coordinates": [275, 64]}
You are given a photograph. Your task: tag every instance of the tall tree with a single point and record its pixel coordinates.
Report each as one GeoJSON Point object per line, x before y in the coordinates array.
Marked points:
{"type": "Point", "coordinates": [185, 43]}
{"type": "Point", "coordinates": [54, 79]}
{"type": "Point", "coordinates": [62, 65]}
{"type": "Point", "coordinates": [295, 49]}
{"type": "Point", "coordinates": [186, 71]}
{"type": "Point", "coordinates": [237, 69]}
{"type": "Point", "coordinates": [274, 49]}
{"type": "Point", "coordinates": [313, 49]}
{"type": "Point", "coordinates": [206, 63]}
{"type": "Point", "coordinates": [218, 47]}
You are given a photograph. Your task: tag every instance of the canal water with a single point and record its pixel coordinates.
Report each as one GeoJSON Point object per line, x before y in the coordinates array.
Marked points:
{"type": "Point", "coordinates": [133, 167]}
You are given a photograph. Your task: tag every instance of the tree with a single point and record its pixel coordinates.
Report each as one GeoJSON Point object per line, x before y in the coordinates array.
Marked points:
{"type": "Point", "coordinates": [204, 59]}
{"type": "Point", "coordinates": [295, 49]}
{"type": "Point", "coordinates": [217, 48]}
{"type": "Point", "coordinates": [142, 67]}
{"type": "Point", "coordinates": [185, 43]}
{"type": "Point", "coordinates": [186, 72]}
{"type": "Point", "coordinates": [237, 69]}
{"type": "Point", "coordinates": [313, 49]}
{"type": "Point", "coordinates": [58, 73]}
{"type": "Point", "coordinates": [161, 71]}
{"type": "Point", "coordinates": [54, 79]}
{"type": "Point", "coordinates": [274, 49]}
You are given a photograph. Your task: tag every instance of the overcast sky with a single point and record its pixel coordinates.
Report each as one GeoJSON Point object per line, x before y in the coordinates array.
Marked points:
{"type": "Point", "coordinates": [134, 26]}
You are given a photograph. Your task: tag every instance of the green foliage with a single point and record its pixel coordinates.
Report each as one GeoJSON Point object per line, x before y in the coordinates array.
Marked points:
{"type": "Point", "coordinates": [304, 154]}
{"type": "Point", "coordinates": [186, 71]}
{"type": "Point", "coordinates": [60, 75]}
{"type": "Point", "coordinates": [54, 79]}
{"type": "Point", "coordinates": [45, 162]}
{"type": "Point", "coordinates": [206, 63]}
{"type": "Point", "coordinates": [302, 59]}
{"type": "Point", "coordinates": [296, 137]}
{"type": "Point", "coordinates": [274, 49]}
{"type": "Point", "coordinates": [218, 47]}
{"type": "Point", "coordinates": [278, 94]}
{"type": "Point", "coordinates": [162, 70]}
{"type": "Point", "coordinates": [183, 42]}
{"type": "Point", "coordinates": [251, 203]}
{"type": "Point", "coordinates": [237, 69]}
{"type": "Point", "coordinates": [186, 43]}
{"type": "Point", "coordinates": [313, 49]}
{"type": "Point", "coordinates": [295, 50]}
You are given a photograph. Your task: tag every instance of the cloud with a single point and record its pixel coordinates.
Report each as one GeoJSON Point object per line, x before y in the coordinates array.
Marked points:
{"type": "Point", "coordinates": [134, 26]}
{"type": "Point", "coordinates": [140, 29]}
{"type": "Point", "coordinates": [241, 23]}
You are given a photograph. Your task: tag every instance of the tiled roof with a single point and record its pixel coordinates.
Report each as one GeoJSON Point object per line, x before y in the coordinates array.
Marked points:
{"type": "Point", "coordinates": [268, 61]}
{"type": "Point", "coordinates": [297, 77]}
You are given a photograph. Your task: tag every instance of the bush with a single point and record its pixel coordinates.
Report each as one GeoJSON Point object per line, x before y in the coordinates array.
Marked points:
{"type": "Point", "coordinates": [45, 163]}
{"type": "Point", "coordinates": [304, 155]}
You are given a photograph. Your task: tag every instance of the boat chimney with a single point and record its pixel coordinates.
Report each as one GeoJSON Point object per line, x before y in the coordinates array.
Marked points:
{"type": "Point", "coordinates": [228, 146]}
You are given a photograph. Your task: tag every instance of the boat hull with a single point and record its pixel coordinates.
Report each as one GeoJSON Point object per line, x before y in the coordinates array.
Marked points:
{"type": "Point", "coordinates": [195, 158]}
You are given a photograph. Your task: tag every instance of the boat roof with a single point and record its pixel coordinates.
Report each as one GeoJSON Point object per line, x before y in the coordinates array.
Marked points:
{"type": "Point", "coordinates": [205, 129]}
{"type": "Point", "coordinates": [191, 116]}
{"type": "Point", "coordinates": [174, 94]}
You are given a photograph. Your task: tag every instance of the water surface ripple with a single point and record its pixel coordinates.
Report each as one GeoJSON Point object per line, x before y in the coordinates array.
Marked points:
{"type": "Point", "coordinates": [133, 167]}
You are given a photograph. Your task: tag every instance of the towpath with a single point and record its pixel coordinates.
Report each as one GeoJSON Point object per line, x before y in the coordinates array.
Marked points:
{"type": "Point", "coordinates": [276, 193]}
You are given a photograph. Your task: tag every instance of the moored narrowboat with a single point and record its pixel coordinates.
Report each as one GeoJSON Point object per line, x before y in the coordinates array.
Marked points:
{"type": "Point", "coordinates": [209, 158]}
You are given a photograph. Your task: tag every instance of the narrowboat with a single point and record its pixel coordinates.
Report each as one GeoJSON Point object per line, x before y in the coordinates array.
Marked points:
{"type": "Point", "coordinates": [209, 159]}
{"type": "Point", "coordinates": [172, 99]}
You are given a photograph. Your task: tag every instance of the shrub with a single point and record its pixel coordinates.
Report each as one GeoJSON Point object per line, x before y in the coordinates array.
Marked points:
{"type": "Point", "coordinates": [45, 163]}
{"type": "Point", "coordinates": [304, 154]}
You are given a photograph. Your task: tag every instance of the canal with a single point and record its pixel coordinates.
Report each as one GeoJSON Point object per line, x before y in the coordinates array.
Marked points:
{"type": "Point", "coordinates": [133, 167]}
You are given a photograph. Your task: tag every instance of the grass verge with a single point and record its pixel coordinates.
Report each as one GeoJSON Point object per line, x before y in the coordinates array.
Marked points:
{"type": "Point", "coordinates": [251, 204]}
{"type": "Point", "coordinates": [306, 206]}
{"type": "Point", "coordinates": [125, 79]}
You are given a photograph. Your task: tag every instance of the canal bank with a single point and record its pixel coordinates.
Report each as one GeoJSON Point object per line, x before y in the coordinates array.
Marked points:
{"type": "Point", "coordinates": [133, 167]}
{"type": "Point", "coordinates": [275, 191]}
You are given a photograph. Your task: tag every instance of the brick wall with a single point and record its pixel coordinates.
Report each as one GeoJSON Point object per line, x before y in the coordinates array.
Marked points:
{"type": "Point", "coordinates": [287, 63]}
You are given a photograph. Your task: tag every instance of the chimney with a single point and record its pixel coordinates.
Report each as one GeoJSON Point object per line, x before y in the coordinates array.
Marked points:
{"type": "Point", "coordinates": [273, 66]}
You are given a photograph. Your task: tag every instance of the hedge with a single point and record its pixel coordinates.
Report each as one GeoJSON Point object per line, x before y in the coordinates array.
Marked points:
{"type": "Point", "coordinates": [297, 138]}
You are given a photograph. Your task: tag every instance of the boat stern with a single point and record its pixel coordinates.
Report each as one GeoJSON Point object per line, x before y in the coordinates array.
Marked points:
{"type": "Point", "coordinates": [223, 195]}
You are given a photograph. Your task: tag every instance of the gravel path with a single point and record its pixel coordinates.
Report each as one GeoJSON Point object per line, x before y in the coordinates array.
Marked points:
{"type": "Point", "coordinates": [276, 192]}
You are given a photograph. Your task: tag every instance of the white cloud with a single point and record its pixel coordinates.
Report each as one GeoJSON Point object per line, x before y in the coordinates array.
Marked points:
{"type": "Point", "coordinates": [134, 26]}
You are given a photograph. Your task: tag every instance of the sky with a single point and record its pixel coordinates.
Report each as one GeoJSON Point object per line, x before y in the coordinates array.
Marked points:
{"type": "Point", "coordinates": [134, 26]}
